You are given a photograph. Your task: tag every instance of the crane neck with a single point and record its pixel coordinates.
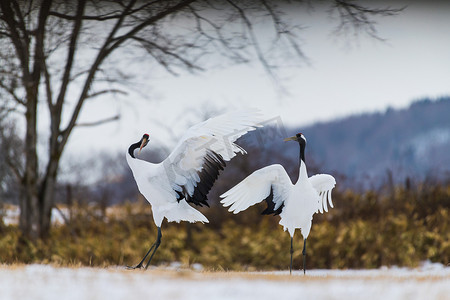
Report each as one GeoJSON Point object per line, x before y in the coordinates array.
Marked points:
{"type": "Point", "coordinates": [302, 151]}
{"type": "Point", "coordinates": [132, 148]}
{"type": "Point", "coordinates": [303, 173]}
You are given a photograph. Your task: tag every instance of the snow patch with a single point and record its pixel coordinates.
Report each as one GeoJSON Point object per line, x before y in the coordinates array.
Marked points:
{"type": "Point", "coordinates": [11, 215]}
{"type": "Point", "coordinates": [430, 281]}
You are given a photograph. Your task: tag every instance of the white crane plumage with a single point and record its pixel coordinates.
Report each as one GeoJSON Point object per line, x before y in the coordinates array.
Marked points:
{"type": "Point", "coordinates": [189, 172]}
{"type": "Point", "coordinates": [295, 203]}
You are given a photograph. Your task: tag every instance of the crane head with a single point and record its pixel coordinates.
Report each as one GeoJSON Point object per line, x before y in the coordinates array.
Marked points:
{"type": "Point", "coordinates": [296, 138]}
{"type": "Point", "coordinates": [144, 142]}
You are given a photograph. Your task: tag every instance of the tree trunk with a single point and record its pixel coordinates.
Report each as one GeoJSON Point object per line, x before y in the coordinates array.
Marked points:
{"type": "Point", "coordinates": [46, 196]}
{"type": "Point", "coordinates": [29, 216]}
{"type": "Point", "coordinates": [45, 207]}
{"type": "Point", "coordinates": [35, 201]}
{"type": "Point", "coordinates": [37, 196]}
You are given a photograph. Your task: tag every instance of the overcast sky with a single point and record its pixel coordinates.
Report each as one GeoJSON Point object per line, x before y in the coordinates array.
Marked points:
{"type": "Point", "coordinates": [344, 76]}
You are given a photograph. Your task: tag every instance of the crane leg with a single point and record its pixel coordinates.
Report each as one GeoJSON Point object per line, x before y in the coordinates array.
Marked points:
{"type": "Point", "coordinates": [304, 256]}
{"type": "Point", "coordinates": [292, 252]}
{"type": "Point", "coordinates": [154, 247]}
{"type": "Point", "coordinates": [156, 244]}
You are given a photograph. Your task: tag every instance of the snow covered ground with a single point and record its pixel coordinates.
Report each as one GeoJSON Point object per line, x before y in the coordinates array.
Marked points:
{"type": "Point", "coordinates": [431, 281]}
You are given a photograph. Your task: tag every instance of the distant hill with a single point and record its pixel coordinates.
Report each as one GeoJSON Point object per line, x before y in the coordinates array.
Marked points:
{"type": "Point", "coordinates": [412, 142]}
{"type": "Point", "coordinates": [361, 151]}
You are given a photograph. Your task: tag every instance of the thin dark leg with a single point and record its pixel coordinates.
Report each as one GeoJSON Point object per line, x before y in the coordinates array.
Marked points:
{"type": "Point", "coordinates": [292, 251]}
{"type": "Point", "coordinates": [304, 256]}
{"type": "Point", "coordinates": [155, 244]}
{"type": "Point", "coordinates": [139, 265]}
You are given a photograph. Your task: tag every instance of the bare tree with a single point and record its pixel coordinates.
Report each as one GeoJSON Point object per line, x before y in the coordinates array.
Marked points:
{"type": "Point", "coordinates": [10, 145]}
{"type": "Point", "coordinates": [40, 61]}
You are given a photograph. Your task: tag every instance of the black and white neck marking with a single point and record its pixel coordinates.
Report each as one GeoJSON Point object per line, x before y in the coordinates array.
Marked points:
{"type": "Point", "coordinates": [302, 142]}
{"type": "Point", "coordinates": [141, 144]}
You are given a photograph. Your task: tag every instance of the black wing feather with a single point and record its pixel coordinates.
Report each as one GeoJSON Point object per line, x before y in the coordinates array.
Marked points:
{"type": "Point", "coordinates": [270, 209]}
{"type": "Point", "coordinates": [213, 163]}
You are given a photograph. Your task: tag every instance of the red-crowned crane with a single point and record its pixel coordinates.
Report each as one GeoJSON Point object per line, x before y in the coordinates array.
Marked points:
{"type": "Point", "coordinates": [295, 203]}
{"type": "Point", "coordinates": [189, 172]}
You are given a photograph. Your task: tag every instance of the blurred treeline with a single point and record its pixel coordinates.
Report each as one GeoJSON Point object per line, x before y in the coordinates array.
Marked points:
{"type": "Point", "coordinates": [109, 223]}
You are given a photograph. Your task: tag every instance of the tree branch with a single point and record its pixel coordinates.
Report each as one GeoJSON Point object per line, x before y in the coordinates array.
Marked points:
{"type": "Point", "coordinates": [5, 111]}
{"type": "Point", "coordinates": [70, 55]}
{"type": "Point", "coordinates": [21, 22]}
{"type": "Point", "coordinates": [20, 45]}
{"type": "Point", "coordinates": [73, 18]}
{"type": "Point", "coordinates": [105, 17]}
{"type": "Point", "coordinates": [48, 87]}
{"type": "Point", "coordinates": [39, 57]}
{"type": "Point", "coordinates": [221, 39]}
{"type": "Point", "coordinates": [15, 170]}
{"type": "Point", "coordinates": [63, 216]}
{"type": "Point", "coordinates": [282, 29]}
{"type": "Point", "coordinates": [110, 45]}
{"type": "Point", "coordinates": [150, 45]}
{"type": "Point", "coordinates": [100, 122]}
{"type": "Point", "coordinates": [114, 91]}
{"type": "Point", "coordinates": [12, 93]}
{"type": "Point", "coordinates": [119, 40]}
{"type": "Point", "coordinates": [102, 54]}
{"type": "Point", "coordinates": [357, 16]}
{"type": "Point", "coordinates": [253, 38]}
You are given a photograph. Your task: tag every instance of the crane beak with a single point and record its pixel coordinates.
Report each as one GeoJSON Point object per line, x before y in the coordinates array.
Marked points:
{"type": "Point", "coordinates": [143, 144]}
{"type": "Point", "coordinates": [292, 138]}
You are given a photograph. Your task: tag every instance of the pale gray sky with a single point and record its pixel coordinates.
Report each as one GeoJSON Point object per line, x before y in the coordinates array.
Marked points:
{"type": "Point", "coordinates": [345, 76]}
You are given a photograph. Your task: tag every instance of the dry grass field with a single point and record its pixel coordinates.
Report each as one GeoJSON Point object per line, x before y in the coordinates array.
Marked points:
{"type": "Point", "coordinates": [234, 257]}
{"type": "Point", "coordinates": [430, 281]}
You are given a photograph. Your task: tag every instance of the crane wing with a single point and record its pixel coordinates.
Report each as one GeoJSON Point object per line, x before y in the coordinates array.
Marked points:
{"type": "Point", "coordinates": [194, 164]}
{"type": "Point", "coordinates": [223, 131]}
{"type": "Point", "coordinates": [270, 183]}
{"type": "Point", "coordinates": [323, 184]}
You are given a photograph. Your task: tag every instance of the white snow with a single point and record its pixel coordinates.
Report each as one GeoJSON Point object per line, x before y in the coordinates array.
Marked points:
{"type": "Point", "coordinates": [11, 215]}
{"type": "Point", "coordinates": [431, 281]}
